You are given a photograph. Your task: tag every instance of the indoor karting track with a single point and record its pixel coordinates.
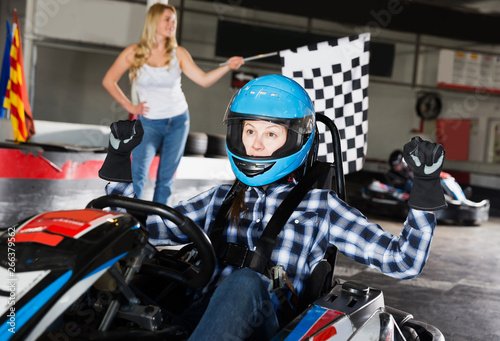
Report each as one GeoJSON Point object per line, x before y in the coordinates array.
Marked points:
{"type": "Point", "coordinates": [459, 289]}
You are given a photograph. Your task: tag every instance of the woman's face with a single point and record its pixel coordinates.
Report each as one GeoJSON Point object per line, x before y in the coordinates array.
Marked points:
{"type": "Point", "coordinates": [262, 138]}
{"type": "Point", "coordinates": [166, 24]}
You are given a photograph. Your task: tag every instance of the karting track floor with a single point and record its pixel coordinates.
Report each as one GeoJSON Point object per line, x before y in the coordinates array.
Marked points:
{"type": "Point", "coordinates": [459, 288]}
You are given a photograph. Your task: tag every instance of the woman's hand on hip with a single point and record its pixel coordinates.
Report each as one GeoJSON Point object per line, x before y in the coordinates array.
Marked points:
{"type": "Point", "coordinates": [139, 109]}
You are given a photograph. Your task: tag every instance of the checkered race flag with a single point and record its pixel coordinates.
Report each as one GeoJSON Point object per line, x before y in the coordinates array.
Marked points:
{"type": "Point", "coordinates": [335, 75]}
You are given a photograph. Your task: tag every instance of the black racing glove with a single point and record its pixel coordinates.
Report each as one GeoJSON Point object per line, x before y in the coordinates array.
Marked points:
{"type": "Point", "coordinates": [426, 161]}
{"type": "Point", "coordinates": [125, 136]}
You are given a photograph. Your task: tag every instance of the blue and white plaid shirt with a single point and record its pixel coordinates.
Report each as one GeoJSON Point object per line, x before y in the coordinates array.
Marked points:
{"type": "Point", "coordinates": [321, 219]}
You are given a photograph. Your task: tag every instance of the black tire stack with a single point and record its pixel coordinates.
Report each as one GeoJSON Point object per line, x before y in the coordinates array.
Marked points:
{"type": "Point", "coordinates": [216, 147]}
{"type": "Point", "coordinates": [207, 145]}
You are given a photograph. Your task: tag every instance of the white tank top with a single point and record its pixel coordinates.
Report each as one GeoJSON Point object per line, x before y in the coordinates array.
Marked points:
{"type": "Point", "coordinates": [161, 89]}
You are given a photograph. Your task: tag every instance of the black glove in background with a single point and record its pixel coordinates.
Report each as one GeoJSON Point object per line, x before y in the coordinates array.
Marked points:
{"type": "Point", "coordinates": [125, 136]}
{"type": "Point", "coordinates": [426, 161]}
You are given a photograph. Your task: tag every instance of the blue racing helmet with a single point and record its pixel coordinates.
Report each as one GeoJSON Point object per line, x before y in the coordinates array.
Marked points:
{"type": "Point", "coordinates": [279, 100]}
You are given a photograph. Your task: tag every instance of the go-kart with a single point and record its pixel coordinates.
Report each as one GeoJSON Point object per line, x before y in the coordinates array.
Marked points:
{"type": "Point", "coordinates": [387, 200]}
{"type": "Point", "coordinates": [91, 274]}
{"type": "Point", "coordinates": [460, 208]}
{"type": "Point", "coordinates": [69, 275]}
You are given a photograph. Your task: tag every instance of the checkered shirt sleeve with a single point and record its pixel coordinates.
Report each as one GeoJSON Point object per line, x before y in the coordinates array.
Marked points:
{"type": "Point", "coordinates": [401, 256]}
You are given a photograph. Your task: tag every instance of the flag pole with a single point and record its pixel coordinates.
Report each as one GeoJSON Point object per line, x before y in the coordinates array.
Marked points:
{"type": "Point", "coordinates": [259, 56]}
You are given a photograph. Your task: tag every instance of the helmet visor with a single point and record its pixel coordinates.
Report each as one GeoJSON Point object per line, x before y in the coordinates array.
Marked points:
{"type": "Point", "coordinates": [300, 125]}
{"type": "Point", "coordinates": [298, 131]}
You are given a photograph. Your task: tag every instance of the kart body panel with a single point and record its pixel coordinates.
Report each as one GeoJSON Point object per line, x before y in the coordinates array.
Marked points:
{"type": "Point", "coordinates": [50, 260]}
{"type": "Point", "coordinates": [349, 311]}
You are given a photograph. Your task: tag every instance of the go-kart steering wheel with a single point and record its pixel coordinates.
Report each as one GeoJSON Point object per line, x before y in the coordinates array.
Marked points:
{"type": "Point", "coordinates": [194, 276]}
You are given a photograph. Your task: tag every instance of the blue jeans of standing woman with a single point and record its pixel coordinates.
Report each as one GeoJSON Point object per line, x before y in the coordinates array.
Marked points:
{"type": "Point", "coordinates": [168, 137]}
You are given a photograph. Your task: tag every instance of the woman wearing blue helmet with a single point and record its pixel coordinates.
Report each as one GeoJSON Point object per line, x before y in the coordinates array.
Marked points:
{"type": "Point", "coordinates": [272, 100]}
{"type": "Point", "coordinates": [270, 141]}
{"type": "Point", "coordinates": [279, 100]}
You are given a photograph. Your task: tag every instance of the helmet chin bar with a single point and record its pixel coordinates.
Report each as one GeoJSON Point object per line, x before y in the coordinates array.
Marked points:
{"type": "Point", "coordinates": [252, 168]}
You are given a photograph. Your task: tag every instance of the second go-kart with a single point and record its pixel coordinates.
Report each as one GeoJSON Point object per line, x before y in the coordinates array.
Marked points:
{"type": "Point", "coordinates": [387, 200]}
{"type": "Point", "coordinates": [76, 275]}
{"type": "Point", "coordinates": [460, 208]}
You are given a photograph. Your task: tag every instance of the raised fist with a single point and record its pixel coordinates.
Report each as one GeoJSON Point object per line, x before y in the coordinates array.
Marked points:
{"type": "Point", "coordinates": [125, 136]}
{"type": "Point", "coordinates": [424, 158]}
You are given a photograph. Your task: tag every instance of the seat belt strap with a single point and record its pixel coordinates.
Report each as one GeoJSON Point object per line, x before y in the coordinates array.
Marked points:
{"type": "Point", "coordinates": [259, 258]}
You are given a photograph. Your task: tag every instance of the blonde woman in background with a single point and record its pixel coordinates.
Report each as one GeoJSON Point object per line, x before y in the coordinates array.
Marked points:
{"type": "Point", "coordinates": [155, 65]}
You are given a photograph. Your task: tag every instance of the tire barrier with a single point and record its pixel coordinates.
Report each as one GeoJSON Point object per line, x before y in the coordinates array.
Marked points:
{"type": "Point", "coordinates": [196, 144]}
{"type": "Point", "coordinates": [208, 145]}
{"type": "Point", "coordinates": [216, 147]}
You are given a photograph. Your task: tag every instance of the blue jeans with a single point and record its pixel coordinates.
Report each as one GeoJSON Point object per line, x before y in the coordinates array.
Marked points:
{"type": "Point", "coordinates": [168, 136]}
{"type": "Point", "coordinates": [239, 309]}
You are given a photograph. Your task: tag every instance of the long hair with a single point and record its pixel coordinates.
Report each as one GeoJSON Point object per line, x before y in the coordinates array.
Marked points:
{"type": "Point", "coordinates": [238, 206]}
{"type": "Point", "coordinates": [148, 39]}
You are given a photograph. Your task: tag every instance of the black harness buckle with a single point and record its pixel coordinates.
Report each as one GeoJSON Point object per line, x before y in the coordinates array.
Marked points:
{"type": "Point", "coordinates": [235, 255]}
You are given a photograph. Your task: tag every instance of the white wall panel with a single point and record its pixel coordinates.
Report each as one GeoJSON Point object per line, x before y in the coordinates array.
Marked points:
{"type": "Point", "coordinates": [115, 23]}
